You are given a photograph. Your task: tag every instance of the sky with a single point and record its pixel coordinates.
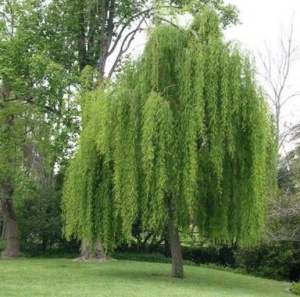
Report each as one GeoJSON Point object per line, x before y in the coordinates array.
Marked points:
{"type": "Point", "coordinates": [264, 20]}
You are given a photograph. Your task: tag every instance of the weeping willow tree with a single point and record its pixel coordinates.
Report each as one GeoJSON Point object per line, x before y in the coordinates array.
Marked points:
{"type": "Point", "coordinates": [183, 137]}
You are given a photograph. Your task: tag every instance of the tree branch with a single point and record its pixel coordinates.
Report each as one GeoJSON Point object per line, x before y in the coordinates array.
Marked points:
{"type": "Point", "coordinates": [143, 13]}
{"type": "Point", "coordinates": [123, 49]}
{"type": "Point", "coordinates": [110, 22]}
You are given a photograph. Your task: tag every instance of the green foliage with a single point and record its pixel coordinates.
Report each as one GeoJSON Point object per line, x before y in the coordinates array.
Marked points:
{"type": "Point", "coordinates": [284, 213]}
{"type": "Point", "coordinates": [185, 128]}
{"type": "Point", "coordinates": [274, 260]}
{"type": "Point", "coordinates": [144, 240]}
{"type": "Point", "coordinates": [39, 214]}
{"type": "Point", "coordinates": [142, 257]}
{"type": "Point", "coordinates": [210, 254]}
{"type": "Point", "coordinates": [295, 288]}
{"type": "Point", "coordinates": [32, 84]}
{"type": "Point", "coordinates": [33, 111]}
{"type": "Point", "coordinates": [40, 220]}
{"type": "Point", "coordinates": [88, 188]}
{"type": "Point", "coordinates": [227, 13]}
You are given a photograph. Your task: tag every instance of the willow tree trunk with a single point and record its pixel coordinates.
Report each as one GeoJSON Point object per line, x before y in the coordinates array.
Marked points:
{"type": "Point", "coordinates": [95, 252]}
{"type": "Point", "coordinates": [12, 248]}
{"type": "Point", "coordinates": [176, 252]}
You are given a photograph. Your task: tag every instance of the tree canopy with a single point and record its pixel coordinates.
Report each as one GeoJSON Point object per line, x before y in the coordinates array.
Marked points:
{"type": "Point", "coordinates": [45, 46]}
{"type": "Point", "coordinates": [184, 134]}
{"type": "Point", "coordinates": [32, 88]}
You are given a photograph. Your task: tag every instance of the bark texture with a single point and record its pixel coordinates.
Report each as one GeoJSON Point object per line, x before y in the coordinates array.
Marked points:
{"type": "Point", "coordinates": [12, 248]}
{"type": "Point", "coordinates": [176, 252]}
{"type": "Point", "coordinates": [95, 252]}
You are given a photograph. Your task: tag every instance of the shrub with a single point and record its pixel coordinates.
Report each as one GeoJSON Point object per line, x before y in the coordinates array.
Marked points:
{"type": "Point", "coordinates": [295, 288]}
{"type": "Point", "coordinates": [278, 260]}
{"type": "Point", "coordinates": [200, 255]}
{"type": "Point", "coordinates": [40, 222]}
{"type": "Point", "coordinates": [222, 255]}
{"type": "Point", "coordinates": [146, 257]}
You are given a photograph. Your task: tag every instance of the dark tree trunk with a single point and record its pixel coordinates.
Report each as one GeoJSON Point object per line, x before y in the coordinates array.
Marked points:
{"type": "Point", "coordinates": [1, 226]}
{"type": "Point", "coordinates": [176, 252]}
{"type": "Point", "coordinates": [12, 248]}
{"type": "Point", "coordinates": [167, 248]}
{"type": "Point", "coordinates": [81, 43]}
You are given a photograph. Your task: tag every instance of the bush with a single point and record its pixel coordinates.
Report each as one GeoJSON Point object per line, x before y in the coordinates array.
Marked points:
{"type": "Point", "coordinates": [40, 220]}
{"type": "Point", "coordinates": [223, 255]}
{"type": "Point", "coordinates": [278, 260]}
{"type": "Point", "coordinates": [200, 255]}
{"type": "Point", "coordinates": [69, 253]}
{"type": "Point", "coordinates": [295, 289]}
{"type": "Point", "coordinates": [146, 257]}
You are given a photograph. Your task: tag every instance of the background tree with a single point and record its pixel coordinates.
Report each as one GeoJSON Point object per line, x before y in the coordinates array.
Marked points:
{"type": "Point", "coordinates": [27, 106]}
{"type": "Point", "coordinates": [277, 75]}
{"type": "Point", "coordinates": [91, 32]}
{"type": "Point", "coordinates": [283, 216]}
{"type": "Point", "coordinates": [193, 144]}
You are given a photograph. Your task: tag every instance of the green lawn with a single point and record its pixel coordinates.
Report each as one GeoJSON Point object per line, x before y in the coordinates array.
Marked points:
{"type": "Point", "coordinates": [48, 277]}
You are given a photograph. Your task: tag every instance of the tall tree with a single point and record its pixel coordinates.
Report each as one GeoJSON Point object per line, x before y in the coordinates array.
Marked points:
{"type": "Point", "coordinates": [277, 74]}
{"type": "Point", "coordinates": [88, 33]}
{"type": "Point", "coordinates": [192, 143]}
{"type": "Point", "coordinates": [283, 215]}
{"type": "Point", "coordinates": [46, 44]}
{"type": "Point", "coordinates": [31, 90]}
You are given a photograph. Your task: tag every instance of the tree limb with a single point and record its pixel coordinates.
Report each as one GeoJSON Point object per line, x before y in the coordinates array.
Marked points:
{"type": "Point", "coordinates": [124, 48]}
{"type": "Point", "coordinates": [143, 13]}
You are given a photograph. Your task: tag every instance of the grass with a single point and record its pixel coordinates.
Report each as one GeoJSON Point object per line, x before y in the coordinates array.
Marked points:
{"type": "Point", "coordinates": [63, 278]}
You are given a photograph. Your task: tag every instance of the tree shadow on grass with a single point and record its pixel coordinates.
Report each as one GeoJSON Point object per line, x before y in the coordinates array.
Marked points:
{"type": "Point", "coordinates": [197, 278]}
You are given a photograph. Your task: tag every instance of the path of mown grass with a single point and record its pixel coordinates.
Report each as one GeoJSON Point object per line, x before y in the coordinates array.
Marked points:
{"type": "Point", "coordinates": [63, 278]}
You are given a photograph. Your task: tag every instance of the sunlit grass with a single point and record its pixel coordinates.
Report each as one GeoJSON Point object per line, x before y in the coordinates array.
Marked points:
{"type": "Point", "coordinates": [63, 278]}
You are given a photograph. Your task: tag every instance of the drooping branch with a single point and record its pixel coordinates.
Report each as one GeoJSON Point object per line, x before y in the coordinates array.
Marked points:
{"type": "Point", "coordinates": [149, 165]}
